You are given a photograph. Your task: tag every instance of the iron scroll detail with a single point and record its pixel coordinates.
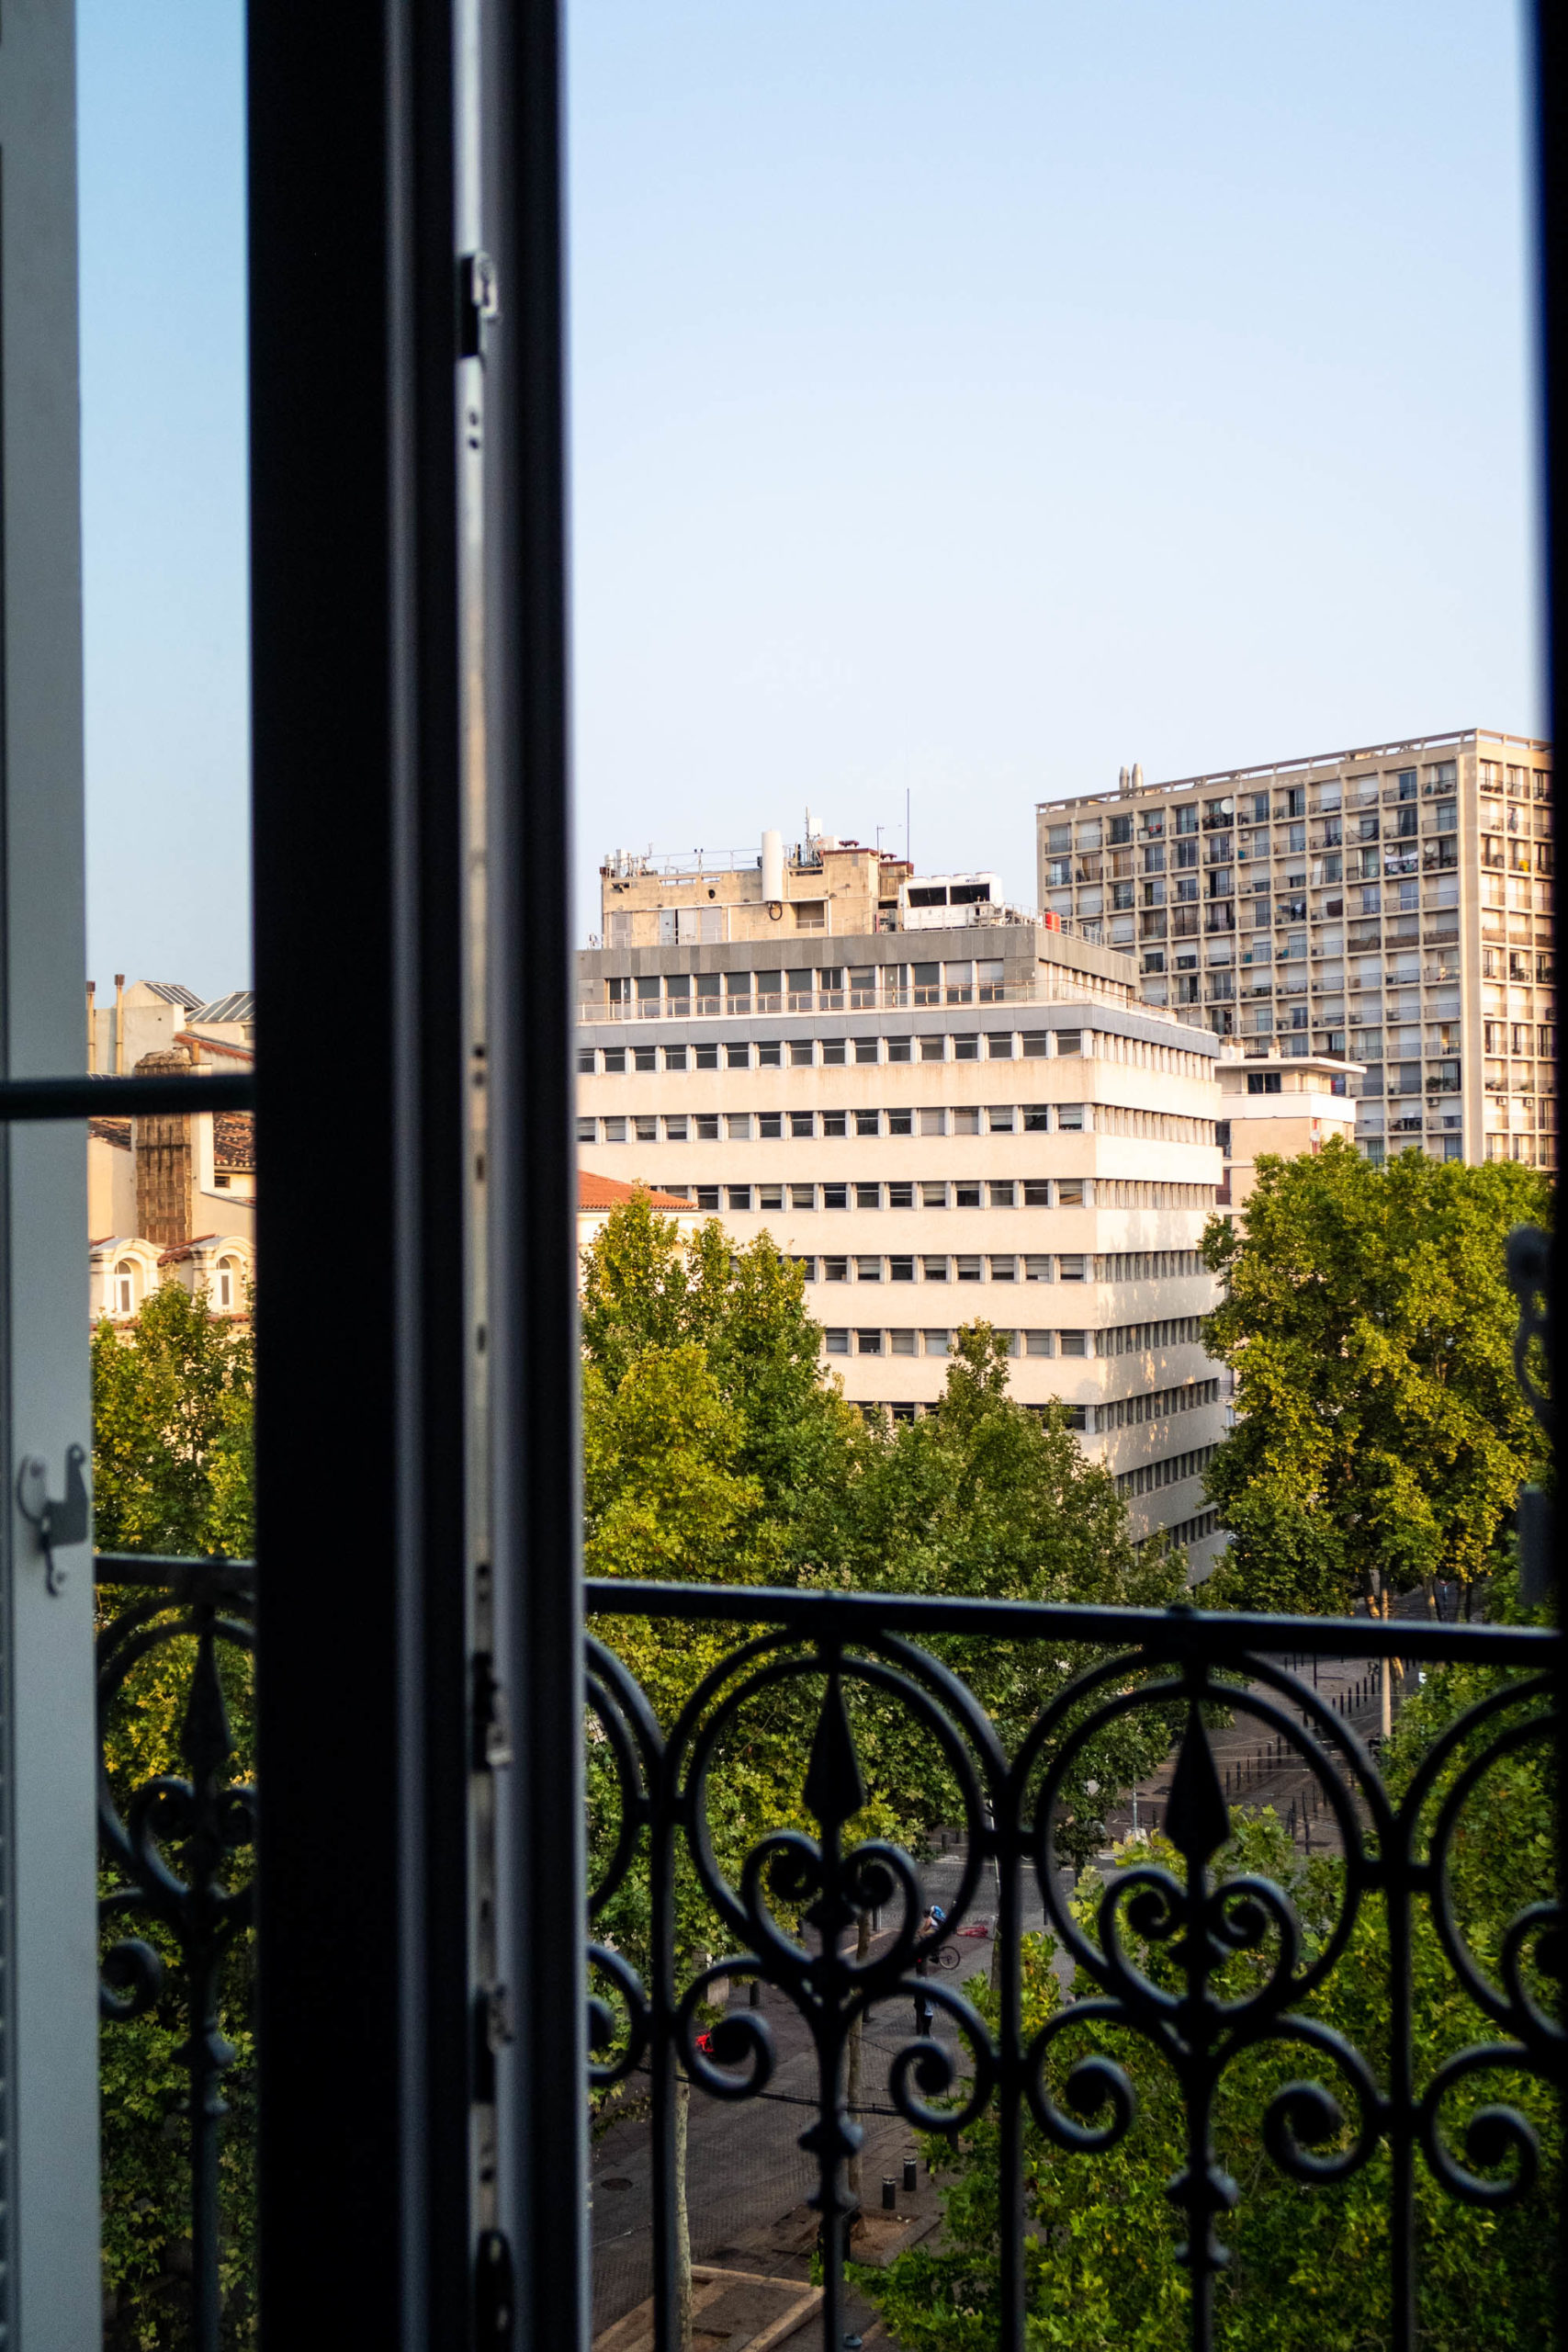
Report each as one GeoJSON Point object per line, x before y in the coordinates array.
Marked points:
{"type": "Point", "coordinates": [1204, 1965]}
{"type": "Point", "coordinates": [170, 1850]}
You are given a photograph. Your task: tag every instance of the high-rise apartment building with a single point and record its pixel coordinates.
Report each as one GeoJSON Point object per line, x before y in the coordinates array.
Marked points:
{"type": "Point", "coordinates": [1389, 907]}
{"type": "Point", "coordinates": [978, 1119]}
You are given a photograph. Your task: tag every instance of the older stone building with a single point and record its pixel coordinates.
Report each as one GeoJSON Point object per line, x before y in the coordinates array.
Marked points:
{"type": "Point", "coordinates": [171, 1198]}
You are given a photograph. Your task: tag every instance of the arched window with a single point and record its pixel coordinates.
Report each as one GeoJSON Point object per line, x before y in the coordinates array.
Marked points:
{"type": "Point", "coordinates": [125, 1288]}
{"type": "Point", "coordinates": [228, 1289]}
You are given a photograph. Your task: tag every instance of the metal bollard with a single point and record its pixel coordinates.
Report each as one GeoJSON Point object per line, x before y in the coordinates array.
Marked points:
{"type": "Point", "coordinates": [889, 2196]}
{"type": "Point", "coordinates": [911, 2173]}
{"type": "Point", "coordinates": [754, 1993]}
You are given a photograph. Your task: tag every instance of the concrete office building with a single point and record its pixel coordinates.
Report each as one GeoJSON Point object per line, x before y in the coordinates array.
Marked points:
{"type": "Point", "coordinates": [1390, 906]}
{"type": "Point", "coordinates": [1279, 1105]}
{"type": "Point", "coordinates": [936, 1133]}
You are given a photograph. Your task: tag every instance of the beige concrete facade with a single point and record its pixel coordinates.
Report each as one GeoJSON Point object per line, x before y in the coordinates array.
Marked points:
{"type": "Point", "coordinates": [1389, 905]}
{"type": "Point", "coordinates": [825, 889]}
{"type": "Point", "coordinates": [1275, 1103]}
{"type": "Point", "coordinates": [1027, 1151]}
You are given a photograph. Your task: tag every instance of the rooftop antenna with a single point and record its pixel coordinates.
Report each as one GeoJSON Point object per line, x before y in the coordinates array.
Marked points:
{"type": "Point", "coordinates": [907, 858]}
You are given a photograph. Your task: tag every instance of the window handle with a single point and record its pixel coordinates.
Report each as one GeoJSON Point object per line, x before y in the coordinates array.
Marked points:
{"type": "Point", "coordinates": [59, 1524]}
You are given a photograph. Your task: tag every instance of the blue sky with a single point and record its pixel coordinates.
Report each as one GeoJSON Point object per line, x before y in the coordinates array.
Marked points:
{"type": "Point", "coordinates": [966, 400]}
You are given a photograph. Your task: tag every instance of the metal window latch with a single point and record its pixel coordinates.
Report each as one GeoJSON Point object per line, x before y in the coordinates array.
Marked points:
{"type": "Point", "coordinates": [59, 1524]}
{"type": "Point", "coordinates": [479, 303]}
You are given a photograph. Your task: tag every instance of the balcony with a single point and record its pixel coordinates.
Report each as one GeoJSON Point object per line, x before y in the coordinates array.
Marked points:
{"type": "Point", "coordinates": [765, 1995]}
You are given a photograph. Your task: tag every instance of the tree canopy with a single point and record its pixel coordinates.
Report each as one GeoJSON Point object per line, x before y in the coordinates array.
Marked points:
{"type": "Point", "coordinates": [1370, 1326]}
{"type": "Point", "coordinates": [172, 1429]}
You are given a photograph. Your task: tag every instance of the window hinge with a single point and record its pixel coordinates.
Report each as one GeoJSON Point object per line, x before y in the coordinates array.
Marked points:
{"type": "Point", "coordinates": [59, 1524]}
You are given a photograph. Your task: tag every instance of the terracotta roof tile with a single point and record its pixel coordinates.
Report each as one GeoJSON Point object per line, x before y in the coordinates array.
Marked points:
{"type": "Point", "coordinates": [188, 1038]}
{"type": "Point", "coordinates": [608, 1192]}
{"type": "Point", "coordinates": [235, 1139]}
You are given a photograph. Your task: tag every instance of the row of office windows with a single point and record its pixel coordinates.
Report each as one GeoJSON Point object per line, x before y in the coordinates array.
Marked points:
{"type": "Point", "coordinates": [832, 1053]}
{"type": "Point", "coordinates": [1089, 1419]}
{"type": "Point", "coordinates": [960, 1119]}
{"type": "Point", "coordinates": [1078, 1418]}
{"type": "Point", "coordinates": [1034, 1193]}
{"type": "Point", "coordinates": [1116, 1339]}
{"type": "Point", "coordinates": [1155, 1404]}
{"type": "Point", "coordinates": [1150, 1476]}
{"type": "Point", "coordinates": [1187, 1532]}
{"type": "Point", "coordinates": [1148, 1265]}
{"type": "Point", "coordinates": [834, 987]}
{"type": "Point", "coordinates": [1029, 1266]}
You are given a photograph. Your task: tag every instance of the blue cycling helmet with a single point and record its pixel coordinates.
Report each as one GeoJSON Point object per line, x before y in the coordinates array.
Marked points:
{"type": "Point", "coordinates": [938, 1914]}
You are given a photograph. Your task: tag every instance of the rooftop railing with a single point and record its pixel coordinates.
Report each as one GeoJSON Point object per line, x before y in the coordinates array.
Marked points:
{"type": "Point", "coordinates": [1070, 989]}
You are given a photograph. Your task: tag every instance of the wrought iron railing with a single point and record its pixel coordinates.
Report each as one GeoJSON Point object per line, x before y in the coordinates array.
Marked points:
{"type": "Point", "coordinates": [169, 1849]}
{"type": "Point", "coordinates": [172, 1850]}
{"type": "Point", "coordinates": [1157, 1946]}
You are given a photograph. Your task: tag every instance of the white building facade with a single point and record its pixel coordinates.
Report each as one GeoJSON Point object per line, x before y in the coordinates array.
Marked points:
{"type": "Point", "coordinates": [993, 1151]}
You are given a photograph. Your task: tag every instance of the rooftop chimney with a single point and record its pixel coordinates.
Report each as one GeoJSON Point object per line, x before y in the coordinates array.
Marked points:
{"type": "Point", "coordinates": [119, 1024]}
{"type": "Point", "coordinates": [92, 1027]}
{"type": "Point", "coordinates": [162, 1150]}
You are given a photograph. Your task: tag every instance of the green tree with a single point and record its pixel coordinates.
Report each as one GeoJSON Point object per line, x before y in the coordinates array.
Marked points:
{"type": "Point", "coordinates": [645, 1287]}
{"type": "Point", "coordinates": [173, 1398]}
{"type": "Point", "coordinates": [1370, 1326]}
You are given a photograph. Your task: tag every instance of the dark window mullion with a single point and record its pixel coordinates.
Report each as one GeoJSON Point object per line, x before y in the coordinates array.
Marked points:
{"type": "Point", "coordinates": [361, 1442]}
